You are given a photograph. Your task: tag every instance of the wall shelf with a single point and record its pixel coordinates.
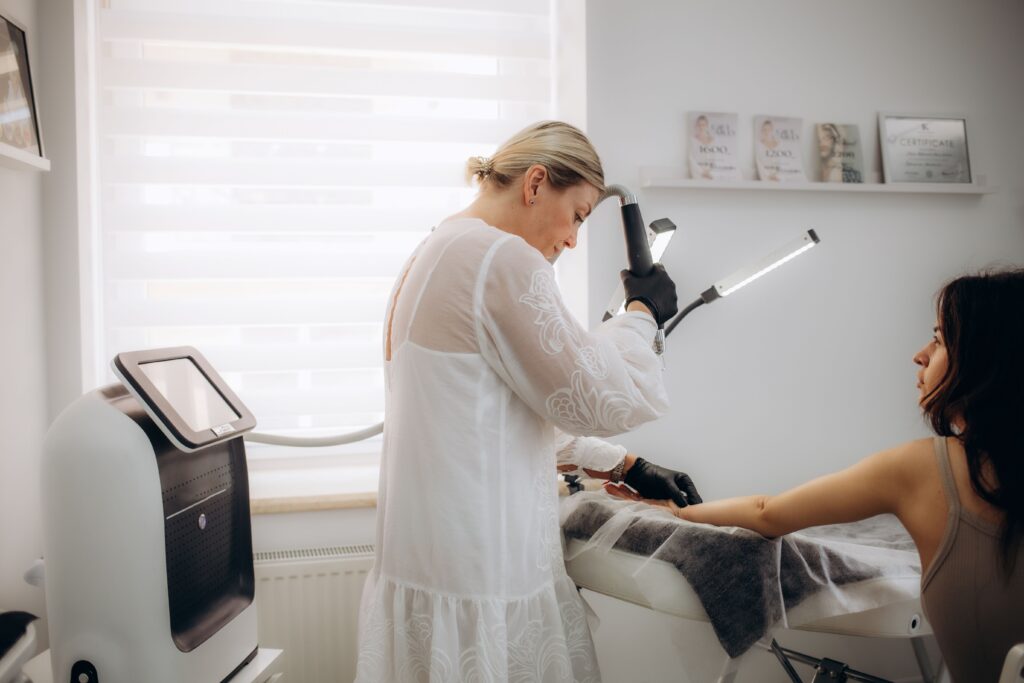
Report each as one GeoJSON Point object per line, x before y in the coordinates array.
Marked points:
{"type": "Point", "coordinates": [20, 160]}
{"type": "Point", "coordinates": [661, 178]}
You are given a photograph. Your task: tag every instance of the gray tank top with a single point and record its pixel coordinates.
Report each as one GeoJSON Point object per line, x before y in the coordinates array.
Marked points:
{"type": "Point", "coordinates": [976, 611]}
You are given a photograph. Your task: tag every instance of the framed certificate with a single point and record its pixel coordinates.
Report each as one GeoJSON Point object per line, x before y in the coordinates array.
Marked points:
{"type": "Point", "coordinates": [924, 149]}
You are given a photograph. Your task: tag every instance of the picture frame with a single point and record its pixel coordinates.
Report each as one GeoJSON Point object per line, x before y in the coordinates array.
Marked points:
{"type": "Point", "coordinates": [21, 136]}
{"type": "Point", "coordinates": [920, 148]}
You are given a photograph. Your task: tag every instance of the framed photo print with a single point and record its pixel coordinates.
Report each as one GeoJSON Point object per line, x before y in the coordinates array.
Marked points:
{"type": "Point", "coordinates": [19, 119]}
{"type": "Point", "coordinates": [924, 149]}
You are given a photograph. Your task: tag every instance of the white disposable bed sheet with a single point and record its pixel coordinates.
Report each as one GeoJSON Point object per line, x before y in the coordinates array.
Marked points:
{"type": "Point", "coordinates": [857, 579]}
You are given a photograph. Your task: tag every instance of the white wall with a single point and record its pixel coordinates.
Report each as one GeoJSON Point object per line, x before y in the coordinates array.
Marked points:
{"type": "Point", "coordinates": [61, 119]}
{"type": "Point", "coordinates": [809, 369]}
{"type": "Point", "coordinates": [23, 416]}
{"type": "Point", "coordinates": [39, 299]}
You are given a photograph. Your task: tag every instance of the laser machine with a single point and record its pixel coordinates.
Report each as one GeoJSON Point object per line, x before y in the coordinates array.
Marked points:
{"type": "Point", "coordinates": [148, 564]}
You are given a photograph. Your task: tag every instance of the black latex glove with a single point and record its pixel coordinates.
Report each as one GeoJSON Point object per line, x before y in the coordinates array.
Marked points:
{"type": "Point", "coordinates": [661, 483]}
{"type": "Point", "coordinates": [656, 291]}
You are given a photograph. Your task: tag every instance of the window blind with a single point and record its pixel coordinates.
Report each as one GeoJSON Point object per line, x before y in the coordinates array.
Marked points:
{"type": "Point", "coordinates": [265, 167]}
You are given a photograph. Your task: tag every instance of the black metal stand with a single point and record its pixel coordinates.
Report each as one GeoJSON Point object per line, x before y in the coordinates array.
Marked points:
{"type": "Point", "coordinates": [825, 670]}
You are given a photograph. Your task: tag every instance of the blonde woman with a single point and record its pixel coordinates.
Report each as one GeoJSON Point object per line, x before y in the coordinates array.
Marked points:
{"type": "Point", "coordinates": [484, 366]}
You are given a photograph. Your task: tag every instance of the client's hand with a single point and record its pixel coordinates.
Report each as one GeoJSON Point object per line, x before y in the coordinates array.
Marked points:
{"type": "Point", "coordinates": [626, 493]}
{"type": "Point", "coordinates": [659, 483]}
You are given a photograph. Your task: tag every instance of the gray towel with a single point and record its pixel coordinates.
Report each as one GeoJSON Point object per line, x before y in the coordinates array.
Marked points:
{"type": "Point", "coordinates": [743, 580]}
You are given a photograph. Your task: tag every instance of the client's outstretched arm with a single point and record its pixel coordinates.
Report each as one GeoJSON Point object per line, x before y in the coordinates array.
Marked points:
{"type": "Point", "coordinates": [873, 486]}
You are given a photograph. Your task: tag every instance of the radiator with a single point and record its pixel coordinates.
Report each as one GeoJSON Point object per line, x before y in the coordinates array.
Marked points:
{"type": "Point", "coordinates": [308, 605]}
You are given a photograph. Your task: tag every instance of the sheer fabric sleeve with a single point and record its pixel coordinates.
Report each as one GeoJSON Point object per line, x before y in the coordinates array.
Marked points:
{"type": "Point", "coordinates": [587, 452]}
{"type": "Point", "coordinates": [597, 383]}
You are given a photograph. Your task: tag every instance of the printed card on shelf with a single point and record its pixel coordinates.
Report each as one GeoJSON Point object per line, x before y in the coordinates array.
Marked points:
{"type": "Point", "coordinates": [712, 145]}
{"type": "Point", "coordinates": [840, 153]}
{"type": "Point", "coordinates": [777, 149]}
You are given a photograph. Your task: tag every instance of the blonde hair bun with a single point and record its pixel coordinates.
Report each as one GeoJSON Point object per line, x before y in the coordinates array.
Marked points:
{"type": "Point", "coordinates": [561, 148]}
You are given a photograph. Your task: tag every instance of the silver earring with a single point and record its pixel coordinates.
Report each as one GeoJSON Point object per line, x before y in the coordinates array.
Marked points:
{"type": "Point", "coordinates": [531, 202]}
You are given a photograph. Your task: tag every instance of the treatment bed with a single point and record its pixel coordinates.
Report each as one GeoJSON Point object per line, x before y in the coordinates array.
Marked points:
{"type": "Point", "coordinates": [858, 579]}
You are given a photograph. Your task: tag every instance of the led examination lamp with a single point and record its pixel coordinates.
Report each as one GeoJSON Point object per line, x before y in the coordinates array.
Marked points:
{"type": "Point", "coordinates": [744, 276]}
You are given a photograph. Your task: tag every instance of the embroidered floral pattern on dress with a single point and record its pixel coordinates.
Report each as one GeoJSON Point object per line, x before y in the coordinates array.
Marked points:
{"type": "Point", "coordinates": [543, 298]}
{"type": "Point", "coordinates": [511, 642]}
{"type": "Point", "coordinates": [577, 635]}
{"type": "Point", "coordinates": [586, 409]}
{"type": "Point", "coordinates": [423, 662]}
{"type": "Point", "coordinates": [538, 656]}
{"type": "Point", "coordinates": [482, 662]}
{"type": "Point", "coordinates": [591, 360]}
{"type": "Point", "coordinates": [373, 635]}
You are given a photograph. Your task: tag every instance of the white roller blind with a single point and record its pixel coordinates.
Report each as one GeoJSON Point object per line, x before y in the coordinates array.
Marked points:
{"type": "Point", "coordinates": [265, 167]}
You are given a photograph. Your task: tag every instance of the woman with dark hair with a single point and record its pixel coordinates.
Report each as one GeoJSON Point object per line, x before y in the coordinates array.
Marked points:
{"type": "Point", "coordinates": [960, 494]}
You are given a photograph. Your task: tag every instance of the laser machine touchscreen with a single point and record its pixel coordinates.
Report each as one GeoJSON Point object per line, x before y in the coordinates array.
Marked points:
{"type": "Point", "coordinates": [184, 395]}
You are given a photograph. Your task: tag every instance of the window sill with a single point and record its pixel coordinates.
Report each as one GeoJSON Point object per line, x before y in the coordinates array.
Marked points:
{"type": "Point", "coordinates": [337, 501]}
{"type": "Point", "coordinates": [307, 489]}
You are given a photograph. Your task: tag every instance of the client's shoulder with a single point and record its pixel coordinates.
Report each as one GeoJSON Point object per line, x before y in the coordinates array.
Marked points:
{"type": "Point", "coordinates": [905, 476]}
{"type": "Point", "coordinates": [902, 463]}
{"type": "Point", "coordinates": [916, 449]}
{"type": "Point", "coordinates": [913, 462]}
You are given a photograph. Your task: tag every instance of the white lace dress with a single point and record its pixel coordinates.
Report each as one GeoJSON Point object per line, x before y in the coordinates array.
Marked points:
{"type": "Point", "coordinates": [484, 364]}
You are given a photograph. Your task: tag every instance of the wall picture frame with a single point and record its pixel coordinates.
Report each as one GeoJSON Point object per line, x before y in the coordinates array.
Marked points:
{"type": "Point", "coordinates": [920, 148]}
{"type": "Point", "coordinates": [21, 136]}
